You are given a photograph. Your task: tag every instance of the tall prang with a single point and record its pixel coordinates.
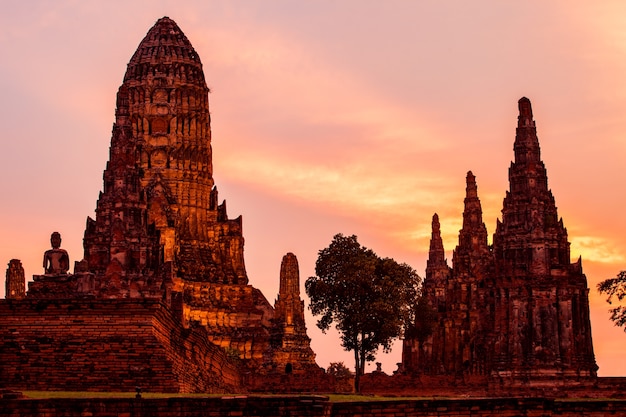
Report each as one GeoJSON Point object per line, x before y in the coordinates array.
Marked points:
{"type": "Point", "coordinates": [417, 352]}
{"type": "Point", "coordinates": [471, 265]}
{"type": "Point", "coordinates": [541, 311]}
{"type": "Point", "coordinates": [291, 344]}
{"type": "Point", "coordinates": [159, 205]}
{"type": "Point", "coordinates": [163, 271]}
{"type": "Point", "coordinates": [516, 312]}
{"type": "Point", "coordinates": [456, 297]}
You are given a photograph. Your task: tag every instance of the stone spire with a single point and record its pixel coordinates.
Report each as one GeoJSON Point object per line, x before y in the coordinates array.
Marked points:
{"type": "Point", "coordinates": [473, 235]}
{"type": "Point", "coordinates": [528, 171]}
{"type": "Point", "coordinates": [162, 160]}
{"type": "Point", "coordinates": [437, 269]}
{"type": "Point", "coordinates": [468, 314]}
{"type": "Point", "coordinates": [289, 277]}
{"type": "Point", "coordinates": [518, 312]}
{"type": "Point", "coordinates": [292, 346]}
{"type": "Point", "coordinates": [436, 254]}
{"type": "Point", "coordinates": [288, 306]}
{"type": "Point", "coordinates": [541, 312]}
{"type": "Point", "coordinates": [418, 353]}
{"type": "Point", "coordinates": [15, 280]}
{"type": "Point", "coordinates": [529, 214]}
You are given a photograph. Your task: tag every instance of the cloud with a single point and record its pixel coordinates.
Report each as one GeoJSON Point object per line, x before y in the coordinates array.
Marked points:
{"type": "Point", "coordinates": [597, 249]}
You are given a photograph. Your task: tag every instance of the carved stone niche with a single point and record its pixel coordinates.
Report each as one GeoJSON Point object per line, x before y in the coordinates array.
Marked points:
{"type": "Point", "coordinates": [160, 95]}
{"type": "Point", "coordinates": [160, 125]}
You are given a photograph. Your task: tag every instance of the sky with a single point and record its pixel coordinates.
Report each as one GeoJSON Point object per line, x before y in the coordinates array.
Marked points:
{"type": "Point", "coordinates": [355, 117]}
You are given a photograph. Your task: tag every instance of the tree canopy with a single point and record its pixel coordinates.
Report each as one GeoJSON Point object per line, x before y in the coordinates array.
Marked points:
{"type": "Point", "coordinates": [615, 289]}
{"type": "Point", "coordinates": [371, 300]}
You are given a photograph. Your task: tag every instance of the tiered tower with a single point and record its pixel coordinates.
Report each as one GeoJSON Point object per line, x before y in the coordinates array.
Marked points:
{"type": "Point", "coordinates": [163, 279]}
{"type": "Point", "coordinates": [468, 298]}
{"type": "Point", "coordinates": [291, 344]}
{"type": "Point", "coordinates": [518, 311]}
{"type": "Point", "coordinates": [541, 301]}
{"type": "Point", "coordinates": [160, 174]}
{"type": "Point", "coordinates": [418, 354]}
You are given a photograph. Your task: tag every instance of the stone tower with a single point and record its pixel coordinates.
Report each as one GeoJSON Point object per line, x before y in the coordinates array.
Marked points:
{"type": "Point", "coordinates": [541, 315]}
{"type": "Point", "coordinates": [159, 207]}
{"type": "Point", "coordinates": [467, 297]}
{"type": "Point", "coordinates": [15, 280]}
{"type": "Point", "coordinates": [291, 345]}
{"type": "Point", "coordinates": [456, 296]}
{"type": "Point", "coordinates": [418, 354]}
{"type": "Point", "coordinates": [163, 278]}
{"type": "Point", "coordinates": [518, 311]}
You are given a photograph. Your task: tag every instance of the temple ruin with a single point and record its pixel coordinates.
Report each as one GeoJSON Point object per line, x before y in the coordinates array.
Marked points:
{"type": "Point", "coordinates": [161, 297]}
{"type": "Point", "coordinates": [516, 312]}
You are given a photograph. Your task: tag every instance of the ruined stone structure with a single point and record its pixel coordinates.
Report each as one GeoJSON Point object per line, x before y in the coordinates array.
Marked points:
{"type": "Point", "coordinates": [159, 202]}
{"type": "Point", "coordinates": [516, 312]}
{"type": "Point", "coordinates": [15, 280]}
{"type": "Point", "coordinates": [291, 344]}
{"type": "Point", "coordinates": [162, 299]}
{"type": "Point", "coordinates": [161, 243]}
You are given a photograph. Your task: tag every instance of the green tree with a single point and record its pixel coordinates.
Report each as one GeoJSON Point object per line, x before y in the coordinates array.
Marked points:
{"type": "Point", "coordinates": [615, 288]}
{"type": "Point", "coordinates": [370, 299]}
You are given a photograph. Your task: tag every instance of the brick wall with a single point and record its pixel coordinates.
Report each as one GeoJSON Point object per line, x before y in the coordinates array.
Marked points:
{"type": "Point", "coordinates": [312, 382]}
{"type": "Point", "coordinates": [311, 406]}
{"type": "Point", "coordinates": [107, 345]}
{"type": "Point", "coordinates": [485, 407]}
{"type": "Point", "coordinates": [477, 386]}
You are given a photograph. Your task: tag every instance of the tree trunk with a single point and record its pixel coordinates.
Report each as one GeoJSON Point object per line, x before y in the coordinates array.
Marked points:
{"type": "Point", "coordinates": [357, 371]}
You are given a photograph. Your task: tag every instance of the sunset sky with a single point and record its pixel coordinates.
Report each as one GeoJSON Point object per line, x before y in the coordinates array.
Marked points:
{"type": "Point", "coordinates": [354, 117]}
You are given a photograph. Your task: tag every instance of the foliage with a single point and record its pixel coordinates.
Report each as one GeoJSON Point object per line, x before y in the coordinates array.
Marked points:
{"type": "Point", "coordinates": [370, 299]}
{"type": "Point", "coordinates": [615, 289]}
{"type": "Point", "coordinates": [339, 370]}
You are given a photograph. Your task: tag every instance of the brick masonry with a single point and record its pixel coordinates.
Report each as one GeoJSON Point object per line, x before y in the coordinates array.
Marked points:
{"type": "Point", "coordinates": [308, 406]}
{"type": "Point", "coordinates": [516, 311]}
{"type": "Point", "coordinates": [107, 345]}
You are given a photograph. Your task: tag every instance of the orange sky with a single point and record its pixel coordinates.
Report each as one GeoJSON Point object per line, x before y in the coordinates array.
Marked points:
{"type": "Point", "coordinates": [359, 117]}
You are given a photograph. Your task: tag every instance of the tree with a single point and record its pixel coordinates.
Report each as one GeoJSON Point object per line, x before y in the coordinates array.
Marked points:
{"type": "Point", "coordinates": [339, 370]}
{"type": "Point", "coordinates": [370, 299]}
{"type": "Point", "coordinates": [615, 288]}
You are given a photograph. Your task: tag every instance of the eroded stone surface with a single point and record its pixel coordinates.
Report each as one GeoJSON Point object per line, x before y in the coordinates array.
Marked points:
{"type": "Point", "coordinates": [15, 280]}
{"type": "Point", "coordinates": [160, 203]}
{"type": "Point", "coordinates": [290, 343]}
{"type": "Point", "coordinates": [161, 237]}
{"type": "Point", "coordinates": [518, 311]}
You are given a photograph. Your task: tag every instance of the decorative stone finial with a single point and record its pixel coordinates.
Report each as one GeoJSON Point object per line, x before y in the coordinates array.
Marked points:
{"type": "Point", "coordinates": [436, 253]}
{"type": "Point", "coordinates": [436, 227]}
{"type": "Point", "coordinates": [471, 190]}
{"type": "Point", "coordinates": [525, 112]}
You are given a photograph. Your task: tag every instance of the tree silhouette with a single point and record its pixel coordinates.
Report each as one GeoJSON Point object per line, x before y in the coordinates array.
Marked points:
{"type": "Point", "coordinates": [370, 299]}
{"type": "Point", "coordinates": [615, 288]}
